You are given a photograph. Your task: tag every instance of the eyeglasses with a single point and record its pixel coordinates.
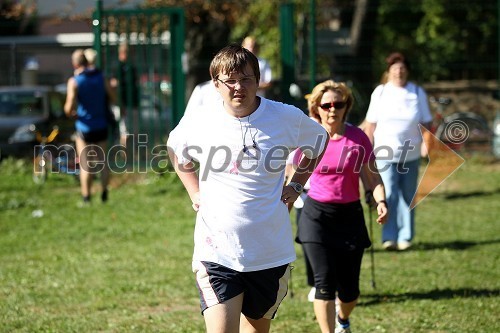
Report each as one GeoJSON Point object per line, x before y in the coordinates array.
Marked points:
{"type": "Point", "coordinates": [336, 105]}
{"type": "Point", "coordinates": [244, 81]}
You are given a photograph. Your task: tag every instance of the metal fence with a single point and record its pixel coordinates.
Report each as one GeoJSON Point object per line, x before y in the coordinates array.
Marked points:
{"type": "Point", "coordinates": [141, 50]}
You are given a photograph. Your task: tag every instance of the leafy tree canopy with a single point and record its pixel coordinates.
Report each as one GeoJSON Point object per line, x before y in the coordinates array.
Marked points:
{"type": "Point", "coordinates": [17, 17]}
{"type": "Point", "coordinates": [446, 39]}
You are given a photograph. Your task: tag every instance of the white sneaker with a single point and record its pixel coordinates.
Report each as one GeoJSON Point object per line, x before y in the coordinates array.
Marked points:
{"type": "Point", "coordinates": [389, 245]}
{"type": "Point", "coordinates": [312, 295]}
{"type": "Point", "coordinates": [340, 329]}
{"type": "Point", "coordinates": [404, 245]}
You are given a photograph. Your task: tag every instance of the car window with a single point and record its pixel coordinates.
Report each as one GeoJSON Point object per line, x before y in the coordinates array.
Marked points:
{"type": "Point", "coordinates": [15, 104]}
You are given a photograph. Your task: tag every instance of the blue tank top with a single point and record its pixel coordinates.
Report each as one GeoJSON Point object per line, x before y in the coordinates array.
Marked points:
{"type": "Point", "coordinates": [92, 102]}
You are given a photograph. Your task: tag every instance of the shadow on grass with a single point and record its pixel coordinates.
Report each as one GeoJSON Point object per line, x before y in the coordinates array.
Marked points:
{"type": "Point", "coordinates": [452, 245]}
{"type": "Point", "coordinates": [436, 294]}
{"type": "Point", "coordinates": [466, 195]}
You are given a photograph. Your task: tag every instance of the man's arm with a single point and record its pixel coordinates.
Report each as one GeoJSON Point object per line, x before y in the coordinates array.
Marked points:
{"type": "Point", "coordinates": [189, 178]}
{"type": "Point", "coordinates": [70, 104]}
{"type": "Point", "coordinates": [110, 91]}
{"type": "Point", "coordinates": [301, 175]}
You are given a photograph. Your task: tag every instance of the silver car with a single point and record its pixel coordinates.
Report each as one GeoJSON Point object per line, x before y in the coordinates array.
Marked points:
{"type": "Point", "coordinates": [26, 110]}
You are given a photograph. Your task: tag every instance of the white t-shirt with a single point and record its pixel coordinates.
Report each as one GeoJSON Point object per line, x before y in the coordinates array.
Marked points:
{"type": "Point", "coordinates": [242, 223]}
{"type": "Point", "coordinates": [397, 111]}
{"type": "Point", "coordinates": [203, 95]}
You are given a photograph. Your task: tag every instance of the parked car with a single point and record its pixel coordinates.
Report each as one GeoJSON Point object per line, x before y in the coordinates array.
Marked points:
{"type": "Point", "coordinates": [24, 110]}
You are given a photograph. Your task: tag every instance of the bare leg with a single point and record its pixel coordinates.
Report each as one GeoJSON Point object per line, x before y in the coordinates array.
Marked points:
{"type": "Point", "coordinates": [123, 140]}
{"type": "Point", "coordinates": [248, 325]}
{"type": "Point", "coordinates": [224, 317]}
{"type": "Point", "coordinates": [85, 175]}
{"type": "Point", "coordinates": [102, 156]}
{"type": "Point", "coordinates": [123, 137]}
{"type": "Point", "coordinates": [346, 309]}
{"type": "Point", "coordinates": [325, 314]}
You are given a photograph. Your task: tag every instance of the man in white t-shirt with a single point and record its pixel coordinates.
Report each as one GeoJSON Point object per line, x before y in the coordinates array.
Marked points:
{"type": "Point", "coordinates": [243, 235]}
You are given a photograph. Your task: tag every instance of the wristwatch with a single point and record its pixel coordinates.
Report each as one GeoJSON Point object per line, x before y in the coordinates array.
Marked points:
{"type": "Point", "coordinates": [297, 187]}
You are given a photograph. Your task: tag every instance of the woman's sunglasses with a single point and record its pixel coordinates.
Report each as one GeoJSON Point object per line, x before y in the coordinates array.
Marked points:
{"type": "Point", "coordinates": [336, 105]}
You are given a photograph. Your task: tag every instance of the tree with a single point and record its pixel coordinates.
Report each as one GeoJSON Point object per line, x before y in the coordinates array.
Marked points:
{"type": "Point", "coordinates": [17, 18]}
{"type": "Point", "coordinates": [208, 28]}
{"type": "Point", "coordinates": [445, 39]}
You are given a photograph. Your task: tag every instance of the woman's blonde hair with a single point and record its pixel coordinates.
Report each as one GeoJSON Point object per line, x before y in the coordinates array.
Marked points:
{"type": "Point", "coordinates": [314, 98]}
{"type": "Point", "coordinates": [91, 55]}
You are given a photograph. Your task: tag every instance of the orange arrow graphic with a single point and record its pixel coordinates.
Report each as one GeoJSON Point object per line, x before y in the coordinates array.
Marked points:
{"type": "Point", "coordinates": [443, 162]}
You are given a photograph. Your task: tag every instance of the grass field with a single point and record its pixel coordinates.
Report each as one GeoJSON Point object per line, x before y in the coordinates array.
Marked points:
{"type": "Point", "coordinates": [125, 266]}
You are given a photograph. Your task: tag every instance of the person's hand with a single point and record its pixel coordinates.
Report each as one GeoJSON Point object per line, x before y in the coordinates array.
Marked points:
{"type": "Point", "coordinates": [113, 82]}
{"type": "Point", "coordinates": [382, 212]}
{"type": "Point", "coordinates": [196, 201]}
{"type": "Point", "coordinates": [424, 152]}
{"type": "Point", "coordinates": [289, 195]}
{"type": "Point", "coordinates": [72, 115]}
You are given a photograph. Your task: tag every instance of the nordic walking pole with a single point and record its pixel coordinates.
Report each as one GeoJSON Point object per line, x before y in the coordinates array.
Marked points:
{"type": "Point", "coordinates": [368, 199]}
{"type": "Point", "coordinates": [372, 250]}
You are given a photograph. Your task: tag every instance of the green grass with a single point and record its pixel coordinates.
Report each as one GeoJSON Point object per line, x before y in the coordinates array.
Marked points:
{"type": "Point", "coordinates": [125, 266]}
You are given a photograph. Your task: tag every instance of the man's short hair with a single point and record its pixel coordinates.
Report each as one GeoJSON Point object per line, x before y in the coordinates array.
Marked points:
{"type": "Point", "coordinates": [234, 58]}
{"type": "Point", "coordinates": [78, 58]}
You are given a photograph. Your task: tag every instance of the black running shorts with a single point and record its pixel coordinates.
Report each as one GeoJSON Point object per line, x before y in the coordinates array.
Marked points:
{"type": "Point", "coordinates": [264, 290]}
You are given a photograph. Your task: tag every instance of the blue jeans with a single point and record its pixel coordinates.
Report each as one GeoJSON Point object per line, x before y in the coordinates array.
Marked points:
{"type": "Point", "coordinates": [400, 182]}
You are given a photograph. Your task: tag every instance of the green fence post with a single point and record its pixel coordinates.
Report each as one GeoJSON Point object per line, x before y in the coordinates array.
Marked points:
{"type": "Point", "coordinates": [312, 44]}
{"type": "Point", "coordinates": [97, 27]}
{"type": "Point", "coordinates": [177, 49]}
{"type": "Point", "coordinates": [287, 30]}
{"type": "Point", "coordinates": [137, 28]}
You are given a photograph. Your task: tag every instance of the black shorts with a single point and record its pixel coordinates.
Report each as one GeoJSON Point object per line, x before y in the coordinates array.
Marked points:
{"type": "Point", "coordinates": [339, 225]}
{"type": "Point", "coordinates": [94, 136]}
{"type": "Point", "coordinates": [336, 271]}
{"type": "Point", "coordinates": [264, 290]}
{"type": "Point", "coordinates": [334, 237]}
